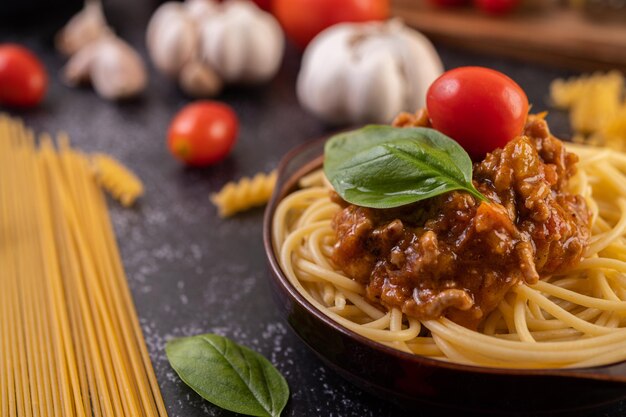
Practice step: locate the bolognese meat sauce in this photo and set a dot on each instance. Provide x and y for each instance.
(456, 257)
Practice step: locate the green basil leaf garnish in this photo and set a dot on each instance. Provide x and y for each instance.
(385, 166)
(229, 375)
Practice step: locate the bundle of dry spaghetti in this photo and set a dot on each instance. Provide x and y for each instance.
(70, 341)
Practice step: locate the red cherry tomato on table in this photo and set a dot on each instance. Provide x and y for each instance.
(303, 19)
(23, 79)
(480, 108)
(202, 133)
(496, 7)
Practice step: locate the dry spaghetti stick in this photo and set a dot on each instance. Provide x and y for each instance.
(8, 399)
(65, 355)
(89, 308)
(39, 308)
(92, 386)
(4, 362)
(78, 333)
(48, 213)
(91, 389)
(33, 275)
(121, 375)
(96, 389)
(130, 308)
(149, 398)
(27, 233)
(47, 319)
(80, 352)
(146, 395)
(88, 218)
(19, 372)
(99, 345)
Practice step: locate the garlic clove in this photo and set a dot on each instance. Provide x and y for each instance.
(78, 68)
(385, 97)
(112, 66)
(201, 9)
(263, 62)
(199, 80)
(172, 38)
(117, 71)
(222, 40)
(326, 98)
(322, 86)
(85, 27)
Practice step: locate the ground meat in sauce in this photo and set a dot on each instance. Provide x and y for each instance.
(450, 256)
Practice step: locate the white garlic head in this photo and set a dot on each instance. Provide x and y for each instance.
(236, 40)
(242, 42)
(172, 38)
(366, 72)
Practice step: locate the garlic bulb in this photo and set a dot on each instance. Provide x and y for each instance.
(366, 72)
(85, 27)
(242, 42)
(114, 68)
(172, 38)
(197, 40)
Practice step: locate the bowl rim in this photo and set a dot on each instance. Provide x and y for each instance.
(599, 373)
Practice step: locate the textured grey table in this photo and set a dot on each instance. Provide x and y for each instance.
(190, 271)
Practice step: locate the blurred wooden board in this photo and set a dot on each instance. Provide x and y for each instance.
(560, 37)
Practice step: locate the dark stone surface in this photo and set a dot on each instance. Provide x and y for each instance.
(190, 271)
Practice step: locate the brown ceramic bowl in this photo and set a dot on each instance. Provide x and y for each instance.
(419, 382)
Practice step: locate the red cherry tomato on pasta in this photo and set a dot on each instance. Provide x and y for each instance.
(203, 133)
(496, 7)
(480, 108)
(23, 79)
(303, 19)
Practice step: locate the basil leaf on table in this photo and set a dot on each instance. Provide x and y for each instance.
(229, 375)
(385, 166)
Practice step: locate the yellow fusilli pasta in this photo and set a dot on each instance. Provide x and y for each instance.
(614, 132)
(246, 193)
(116, 179)
(597, 107)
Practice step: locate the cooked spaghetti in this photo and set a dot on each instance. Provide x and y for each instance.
(574, 315)
(70, 340)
